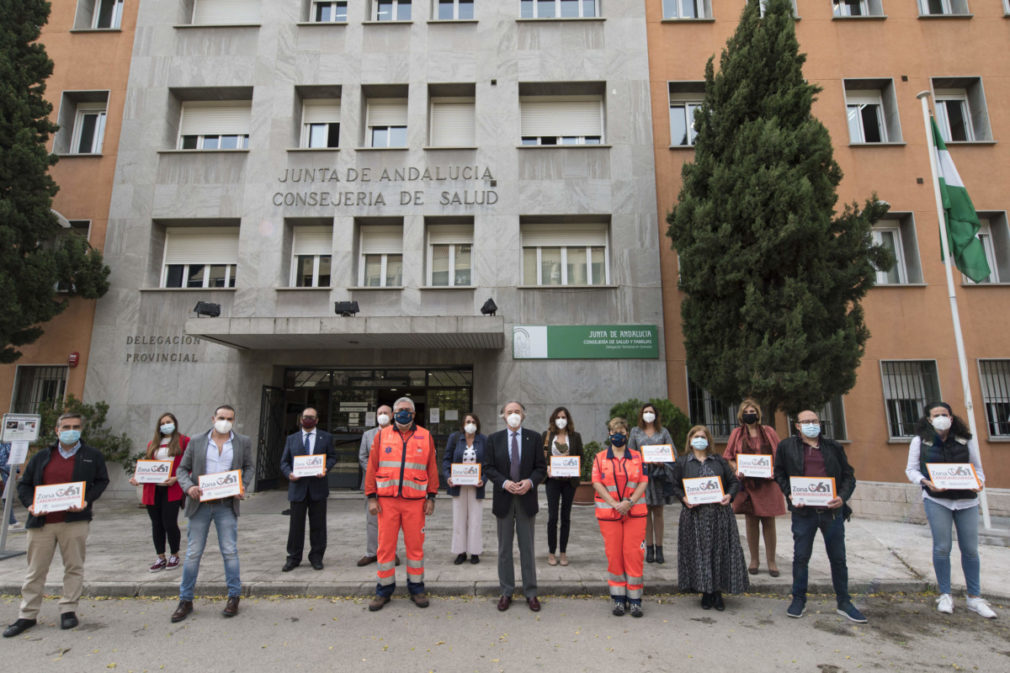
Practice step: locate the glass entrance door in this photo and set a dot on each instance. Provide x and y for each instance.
(347, 399)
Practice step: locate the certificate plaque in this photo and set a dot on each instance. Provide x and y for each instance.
(812, 491)
(313, 465)
(703, 490)
(657, 453)
(153, 471)
(220, 485)
(465, 474)
(565, 466)
(58, 497)
(755, 465)
(960, 476)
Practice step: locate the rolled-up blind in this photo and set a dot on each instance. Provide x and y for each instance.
(452, 122)
(561, 115)
(226, 12)
(387, 112)
(203, 118)
(381, 239)
(313, 241)
(201, 245)
(566, 234)
(321, 110)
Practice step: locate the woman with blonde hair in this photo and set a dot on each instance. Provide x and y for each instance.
(709, 557)
(760, 500)
(619, 482)
(164, 500)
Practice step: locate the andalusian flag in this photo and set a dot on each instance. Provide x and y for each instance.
(962, 220)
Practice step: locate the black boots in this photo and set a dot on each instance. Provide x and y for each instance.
(650, 554)
(659, 554)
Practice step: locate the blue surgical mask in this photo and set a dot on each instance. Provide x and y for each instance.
(167, 428)
(404, 416)
(618, 439)
(70, 437)
(699, 443)
(810, 430)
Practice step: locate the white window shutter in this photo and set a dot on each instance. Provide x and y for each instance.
(210, 118)
(561, 115)
(452, 122)
(381, 239)
(387, 112)
(226, 12)
(201, 245)
(445, 234)
(321, 110)
(313, 241)
(558, 235)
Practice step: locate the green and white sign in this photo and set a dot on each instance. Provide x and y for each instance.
(581, 342)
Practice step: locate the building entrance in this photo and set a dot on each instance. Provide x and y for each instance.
(347, 399)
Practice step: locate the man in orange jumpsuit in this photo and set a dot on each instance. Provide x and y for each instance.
(401, 483)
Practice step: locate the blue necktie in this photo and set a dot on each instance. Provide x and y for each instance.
(308, 447)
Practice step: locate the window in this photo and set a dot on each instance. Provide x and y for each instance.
(942, 7)
(311, 256)
(961, 109)
(329, 12)
(451, 119)
(390, 10)
(896, 232)
(98, 15)
(453, 10)
(82, 122)
(706, 410)
(561, 120)
(35, 386)
(320, 123)
(844, 9)
(215, 125)
(687, 9)
(81, 228)
(685, 100)
(381, 260)
(225, 12)
(565, 253)
(872, 111)
(200, 257)
(762, 4)
(450, 255)
(994, 377)
(557, 9)
(386, 122)
(995, 238)
(908, 386)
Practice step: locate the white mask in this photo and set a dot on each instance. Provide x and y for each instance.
(940, 423)
(562, 423)
(383, 419)
(513, 420)
(699, 443)
(223, 427)
(470, 428)
(648, 417)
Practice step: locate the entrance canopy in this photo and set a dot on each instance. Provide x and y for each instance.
(461, 332)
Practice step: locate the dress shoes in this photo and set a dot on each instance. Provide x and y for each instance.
(231, 607)
(533, 603)
(289, 565)
(365, 560)
(717, 602)
(706, 601)
(474, 559)
(460, 558)
(68, 620)
(182, 611)
(377, 603)
(317, 565)
(504, 602)
(420, 600)
(19, 627)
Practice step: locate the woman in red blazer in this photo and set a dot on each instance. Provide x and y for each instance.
(163, 501)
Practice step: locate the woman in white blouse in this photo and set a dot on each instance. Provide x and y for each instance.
(942, 437)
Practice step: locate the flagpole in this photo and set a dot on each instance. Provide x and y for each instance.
(962, 359)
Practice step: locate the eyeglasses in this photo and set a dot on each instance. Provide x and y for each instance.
(807, 420)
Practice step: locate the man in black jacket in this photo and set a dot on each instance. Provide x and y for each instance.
(69, 460)
(811, 454)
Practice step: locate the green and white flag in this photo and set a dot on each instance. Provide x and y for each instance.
(962, 220)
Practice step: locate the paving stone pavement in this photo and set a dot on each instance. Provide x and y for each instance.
(883, 556)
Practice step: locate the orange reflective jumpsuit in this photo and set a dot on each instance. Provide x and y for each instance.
(623, 536)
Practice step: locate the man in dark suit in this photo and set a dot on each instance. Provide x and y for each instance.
(307, 494)
(219, 450)
(515, 464)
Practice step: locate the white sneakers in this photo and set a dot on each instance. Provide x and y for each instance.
(981, 606)
(945, 604)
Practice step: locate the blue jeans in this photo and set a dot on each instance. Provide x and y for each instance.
(831, 523)
(941, 521)
(226, 524)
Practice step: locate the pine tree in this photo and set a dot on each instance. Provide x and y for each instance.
(35, 253)
(772, 277)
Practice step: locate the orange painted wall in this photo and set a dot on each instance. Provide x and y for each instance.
(83, 61)
(906, 322)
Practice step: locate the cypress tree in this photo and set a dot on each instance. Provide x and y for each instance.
(773, 276)
(36, 255)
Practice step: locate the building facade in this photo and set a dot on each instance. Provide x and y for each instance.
(279, 158)
(871, 59)
(90, 43)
